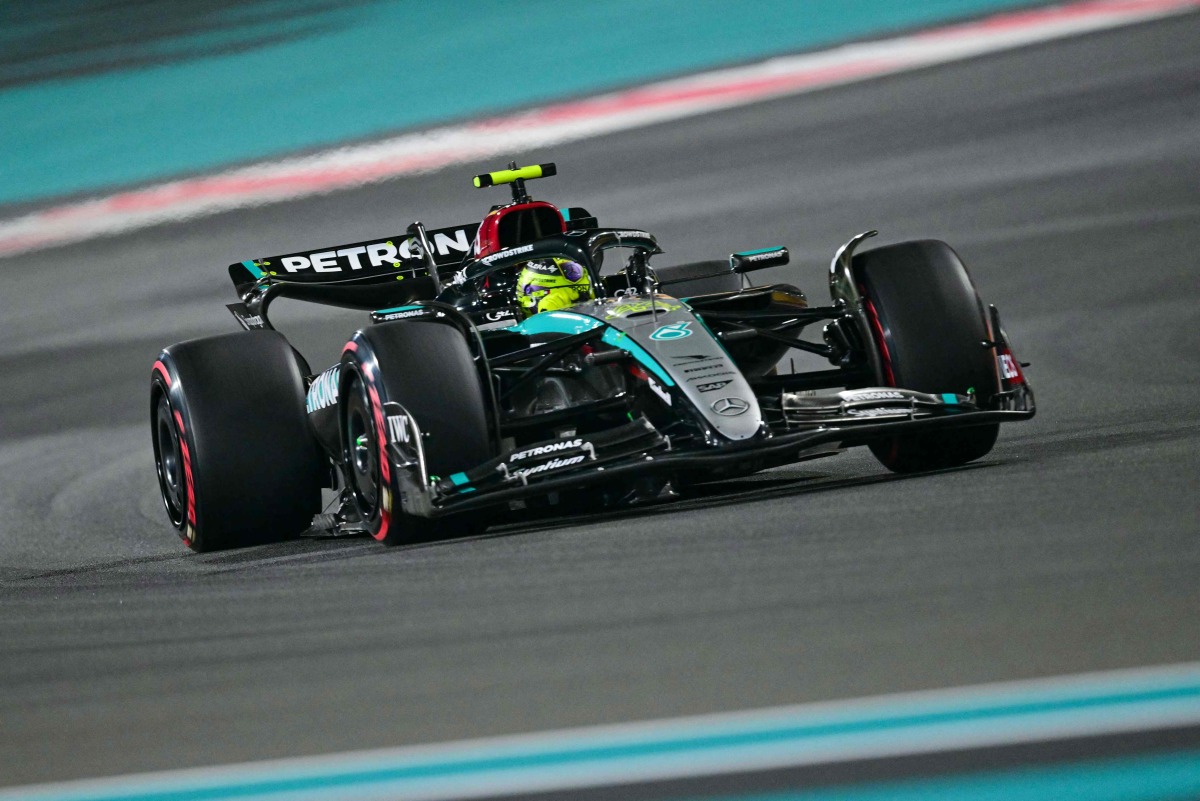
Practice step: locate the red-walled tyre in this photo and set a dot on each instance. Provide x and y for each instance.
(930, 328)
(428, 369)
(236, 462)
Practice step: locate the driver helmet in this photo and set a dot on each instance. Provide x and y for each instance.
(549, 284)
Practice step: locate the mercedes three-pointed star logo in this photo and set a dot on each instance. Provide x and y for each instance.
(730, 407)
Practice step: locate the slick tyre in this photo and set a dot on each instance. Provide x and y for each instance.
(929, 327)
(697, 278)
(235, 460)
(427, 368)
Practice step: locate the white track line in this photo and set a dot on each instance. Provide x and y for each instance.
(427, 151)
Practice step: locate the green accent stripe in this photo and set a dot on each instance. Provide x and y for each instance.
(459, 479)
(760, 250)
(949, 398)
(572, 323)
(397, 309)
(619, 339)
(557, 322)
(253, 268)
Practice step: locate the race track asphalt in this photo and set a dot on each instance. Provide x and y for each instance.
(1068, 177)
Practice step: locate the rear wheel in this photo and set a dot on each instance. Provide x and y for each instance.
(427, 368)
(236, 462)
(929, 326)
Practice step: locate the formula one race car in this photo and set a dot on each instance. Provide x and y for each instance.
(455, 401)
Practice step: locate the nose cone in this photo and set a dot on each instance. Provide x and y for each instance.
(689, 354)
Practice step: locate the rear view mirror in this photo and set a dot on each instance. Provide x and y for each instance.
(749, 260)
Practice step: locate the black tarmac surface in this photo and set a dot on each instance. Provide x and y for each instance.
(1066, 175)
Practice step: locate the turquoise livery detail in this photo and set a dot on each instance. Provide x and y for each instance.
(671, 332)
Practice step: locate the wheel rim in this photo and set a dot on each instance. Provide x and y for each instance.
(169, 463)
(361, 449)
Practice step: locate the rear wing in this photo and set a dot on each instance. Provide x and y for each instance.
(375, 260)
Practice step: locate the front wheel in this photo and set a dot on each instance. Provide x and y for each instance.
(428, 369)
(929, 327)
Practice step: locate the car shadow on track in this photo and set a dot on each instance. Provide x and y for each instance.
(729, 492)
(761, 487)
(325, 548)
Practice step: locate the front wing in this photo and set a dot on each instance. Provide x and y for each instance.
(805, 427)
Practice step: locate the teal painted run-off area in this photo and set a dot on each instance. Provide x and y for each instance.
(1158, 777)
(919, 725)
(96, 95)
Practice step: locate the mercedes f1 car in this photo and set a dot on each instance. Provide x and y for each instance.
(453, 403)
